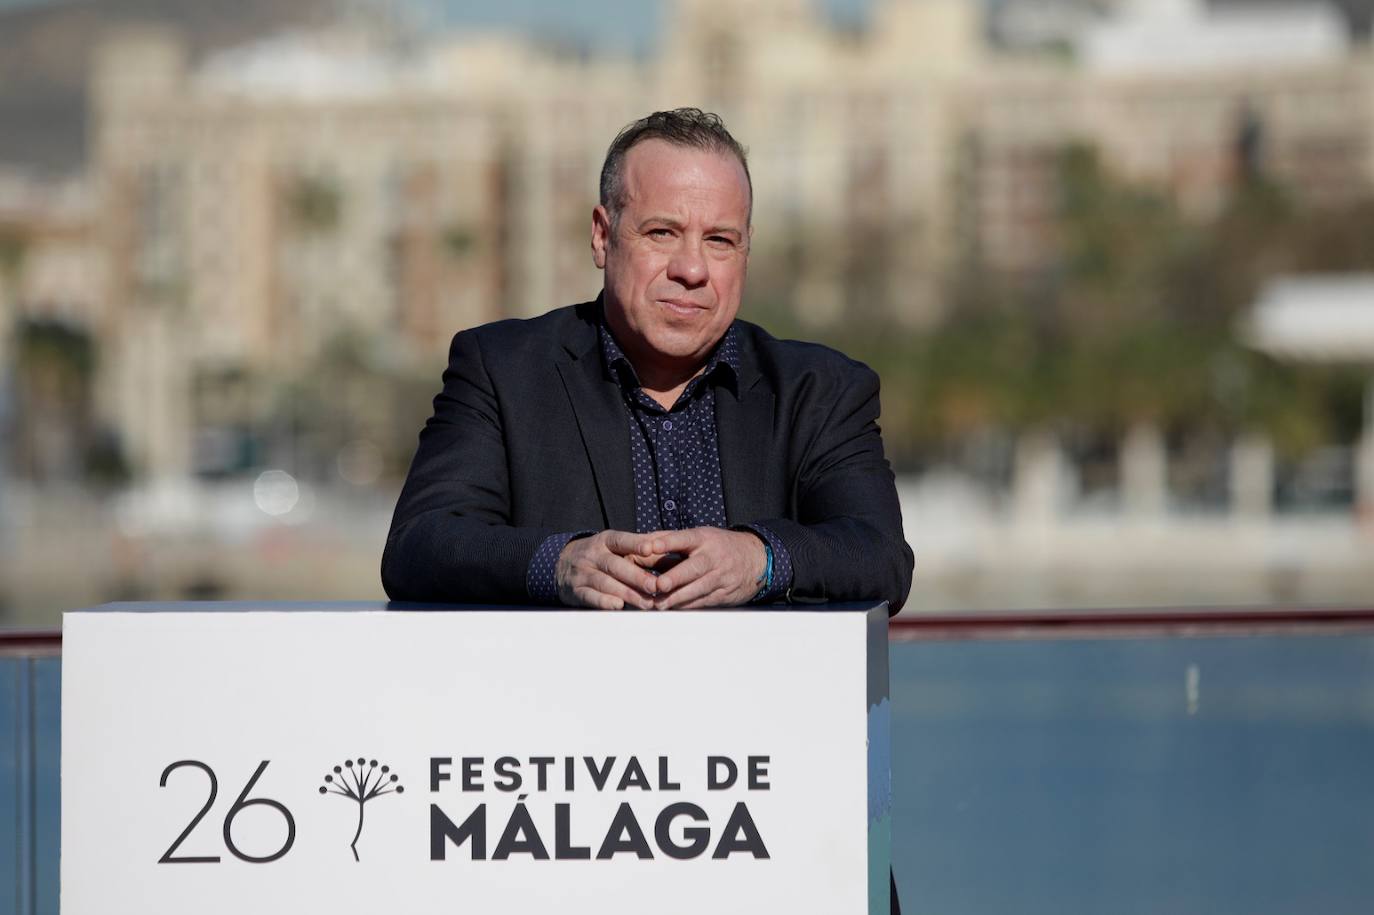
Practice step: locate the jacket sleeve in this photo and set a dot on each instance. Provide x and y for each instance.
(846, 540)
(451, 539)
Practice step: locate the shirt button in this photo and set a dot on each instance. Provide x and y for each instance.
(667, 425)
(670, 505)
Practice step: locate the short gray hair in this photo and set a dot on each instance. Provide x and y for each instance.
(689, 127)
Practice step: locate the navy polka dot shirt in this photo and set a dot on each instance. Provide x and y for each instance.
(676, 461)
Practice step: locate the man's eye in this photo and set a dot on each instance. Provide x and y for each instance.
(659, 233)
(720, 241)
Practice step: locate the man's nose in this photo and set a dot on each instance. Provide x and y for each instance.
(688, 264)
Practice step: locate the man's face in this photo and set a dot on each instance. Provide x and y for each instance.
(676, 258)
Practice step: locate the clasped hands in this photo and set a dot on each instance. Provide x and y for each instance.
(697, 567)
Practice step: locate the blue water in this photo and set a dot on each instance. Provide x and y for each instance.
(1071, 777)
(30, 813)
(1028, 777)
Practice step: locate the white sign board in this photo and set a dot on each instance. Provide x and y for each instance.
(509, 761)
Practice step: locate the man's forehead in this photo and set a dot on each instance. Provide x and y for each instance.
(664, 173)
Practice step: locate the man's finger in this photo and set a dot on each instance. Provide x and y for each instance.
(687, 588)
(674, 541)
(686, 595)
(625, 543)
(628, 596)
(627, 572)
(689, 570)
(590, 597)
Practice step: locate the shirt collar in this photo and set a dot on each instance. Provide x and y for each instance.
(724, 356)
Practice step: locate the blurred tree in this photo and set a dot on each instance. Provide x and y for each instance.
(458, 240)
(315, 204)
(12, 251)
(1133, 322)
(13, 247)
(357, 389)
(47, 370)
(55, 435)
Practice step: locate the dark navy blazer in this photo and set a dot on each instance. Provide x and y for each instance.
(528, 439)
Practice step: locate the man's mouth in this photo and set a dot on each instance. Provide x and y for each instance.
(680, 307)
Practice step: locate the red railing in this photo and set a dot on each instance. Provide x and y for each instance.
(1012, 625)
(31, 642)
(1168, 622)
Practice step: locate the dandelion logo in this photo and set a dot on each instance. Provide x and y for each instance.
(361, 780)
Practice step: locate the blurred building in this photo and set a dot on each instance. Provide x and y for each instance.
(854, 139)
(50, 264)
(270, 203)
(1176, 97)
(1044, 25)
(265, 200)
(353, 184)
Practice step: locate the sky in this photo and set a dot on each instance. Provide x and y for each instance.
(603, 24)
(600, 23)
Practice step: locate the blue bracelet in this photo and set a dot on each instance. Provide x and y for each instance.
(765, 581)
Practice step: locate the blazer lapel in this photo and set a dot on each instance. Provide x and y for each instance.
(596, 402)
(744, 429)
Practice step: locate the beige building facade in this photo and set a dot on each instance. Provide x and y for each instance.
(259, 205)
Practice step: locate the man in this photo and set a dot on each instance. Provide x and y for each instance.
(648, 450)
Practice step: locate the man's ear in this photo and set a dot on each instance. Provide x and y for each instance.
(601, 235)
